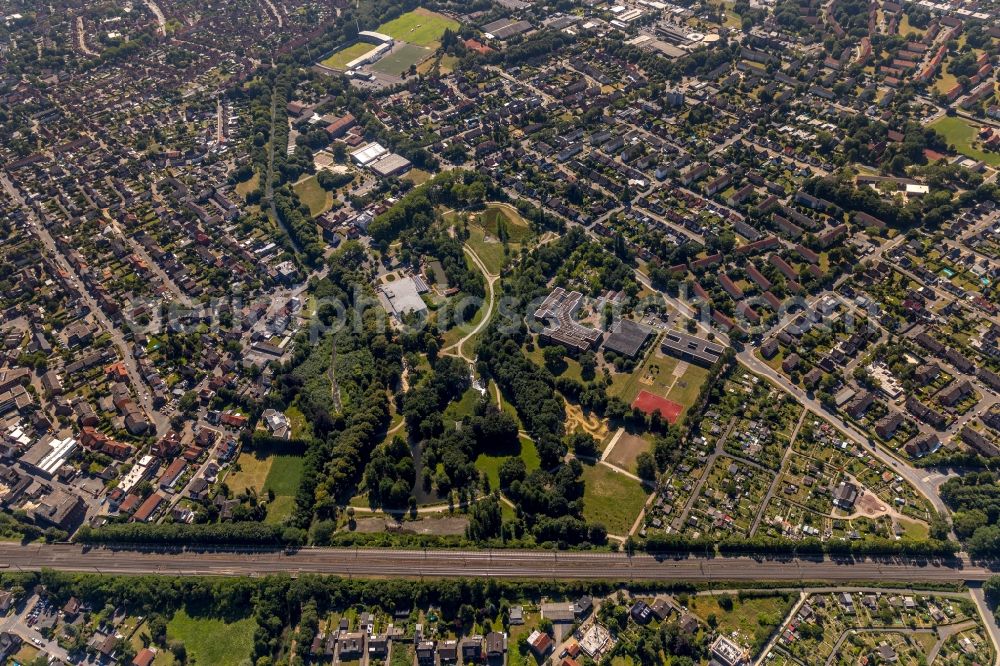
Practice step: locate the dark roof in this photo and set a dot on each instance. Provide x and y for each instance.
(627, 337)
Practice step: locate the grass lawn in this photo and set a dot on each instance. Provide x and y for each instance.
(248, 186)
(280, 473)
(497, 216)
(340, 59)
(456, 411)
(914, 530)
(571, 368)
(285, 475)
(612, 499)
(421, 27)
(945, 80)
(958, 132)
(490, 463)
(280, 509)
(459, 331)
(486, 229)
(623, 661)
(490, 250)
(298, 423)
(417, 176)
(211, 640)
(26, 654)
(446, 64)
(733, 19)
(688, 386)
(400, 60)
(253, 472)
(314, 196)
(905, 28)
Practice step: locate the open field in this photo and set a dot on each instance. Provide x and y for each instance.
(663, 376)
(627, 450)
(611, 498)
(457, 411)
(490, 462)
(749, 618)
(489, 228)
(446, 64)
(421, 27)
(252, 473)
(655, 375)
(314, 196)
(401, 59)
(285, 474)
(262, 473)
(345, 55)
(280, 509)
(248, 186)
(212, 640)
(688, 385)
(905, 28)
(961, 134)
(489, 249)
(945, 80)
(417, 176)
(506, 217)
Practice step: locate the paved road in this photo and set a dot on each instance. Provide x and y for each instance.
(478, 564)
(989, 620)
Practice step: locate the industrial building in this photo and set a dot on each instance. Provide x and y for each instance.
(48, 455)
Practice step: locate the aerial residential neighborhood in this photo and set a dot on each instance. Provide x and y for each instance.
(499, 331)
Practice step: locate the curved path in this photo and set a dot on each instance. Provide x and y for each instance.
(491, 280)
(161, 20)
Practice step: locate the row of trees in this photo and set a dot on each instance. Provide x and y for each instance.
(735, 546)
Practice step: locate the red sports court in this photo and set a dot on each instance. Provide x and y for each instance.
(650, 402)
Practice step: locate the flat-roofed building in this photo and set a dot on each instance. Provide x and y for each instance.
(505, 29)
(692, 349)
(48, 455)
(390, 164)
(557, 312)
(627, 338)
(367, 154)
(403, 297)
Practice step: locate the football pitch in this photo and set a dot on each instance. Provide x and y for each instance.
(401, 58)
(421, 27)
(345, 55)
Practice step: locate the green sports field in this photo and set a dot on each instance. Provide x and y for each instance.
(421, 27)
(345, 55)
(401, 58)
